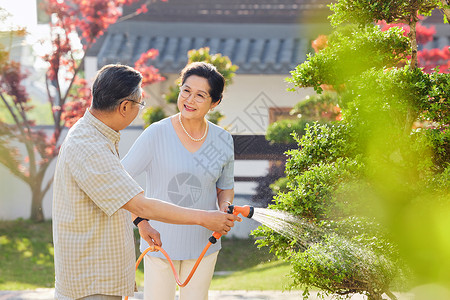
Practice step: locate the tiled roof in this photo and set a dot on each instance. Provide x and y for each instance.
(255, 48)
(260, 36)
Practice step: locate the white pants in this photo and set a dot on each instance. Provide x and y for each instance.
(160, 284)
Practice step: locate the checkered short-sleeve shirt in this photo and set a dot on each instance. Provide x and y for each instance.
(92, 235)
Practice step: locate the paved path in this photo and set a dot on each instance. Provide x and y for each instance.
(47, 294)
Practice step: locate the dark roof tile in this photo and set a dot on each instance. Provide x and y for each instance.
(273, 49)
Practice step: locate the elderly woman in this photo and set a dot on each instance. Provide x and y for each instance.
(187, 161)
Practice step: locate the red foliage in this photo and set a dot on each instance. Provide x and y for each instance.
(428, 59)
(88, 19)
(11, 82)
(330, 112)
(385, 26)
(78, 103)
(424, 34)
(149, 73)
(142, 10)
(320, 43)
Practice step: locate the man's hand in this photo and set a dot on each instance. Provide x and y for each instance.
(219, 222)
(150, 235)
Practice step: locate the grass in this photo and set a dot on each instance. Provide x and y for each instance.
(264, 276)
(252, 268)
(26, 252)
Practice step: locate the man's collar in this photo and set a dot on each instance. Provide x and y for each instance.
(107, 131)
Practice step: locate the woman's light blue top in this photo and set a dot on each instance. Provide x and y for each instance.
(175, 175)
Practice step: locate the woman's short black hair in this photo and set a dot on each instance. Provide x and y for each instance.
(209, 72)
(112, 84)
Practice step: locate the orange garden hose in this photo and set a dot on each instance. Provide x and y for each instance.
(175, 274)
(246, 211)
(177, 279)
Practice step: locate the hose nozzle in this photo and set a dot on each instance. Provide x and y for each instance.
(246, 210)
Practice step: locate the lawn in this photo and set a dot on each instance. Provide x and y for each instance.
(26, 252)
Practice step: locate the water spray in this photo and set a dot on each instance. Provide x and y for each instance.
(246, 211)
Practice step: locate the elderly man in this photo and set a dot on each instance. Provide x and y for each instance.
(93, 197)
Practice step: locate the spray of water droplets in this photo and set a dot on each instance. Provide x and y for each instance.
(279, 221)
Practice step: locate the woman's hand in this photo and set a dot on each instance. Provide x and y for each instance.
(224, 206)
(224, 198)
(150, 235)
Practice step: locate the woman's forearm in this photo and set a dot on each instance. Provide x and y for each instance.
(225, 198)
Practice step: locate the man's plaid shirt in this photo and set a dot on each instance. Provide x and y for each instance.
(92, 235)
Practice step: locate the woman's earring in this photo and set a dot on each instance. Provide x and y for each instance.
(212, 109)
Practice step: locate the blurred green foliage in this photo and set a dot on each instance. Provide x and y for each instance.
(371, 191)
(366, 12)
(351, 50)
(215, 117)
(153, 114)
(322, 108)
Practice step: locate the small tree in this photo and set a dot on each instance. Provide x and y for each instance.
(358, 183)
(68, 93)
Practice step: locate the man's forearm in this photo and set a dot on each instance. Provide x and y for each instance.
(155, 209)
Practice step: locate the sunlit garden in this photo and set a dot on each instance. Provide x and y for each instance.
(364, 192)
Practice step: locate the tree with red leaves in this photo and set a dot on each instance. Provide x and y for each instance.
(68, 93)
(429, 60)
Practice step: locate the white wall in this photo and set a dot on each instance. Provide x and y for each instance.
(247, 101)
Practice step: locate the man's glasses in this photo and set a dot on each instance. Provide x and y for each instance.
(185, 93)
(141, 104)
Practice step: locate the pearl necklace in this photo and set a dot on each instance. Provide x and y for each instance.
(185, 131)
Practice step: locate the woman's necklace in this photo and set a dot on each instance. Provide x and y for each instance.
(185, 131)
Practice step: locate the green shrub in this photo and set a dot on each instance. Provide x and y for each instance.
(321, 107)
(281, 131)
(321, 143)
(340, 266)
(215, 117)
(351, 50)
(153, 114)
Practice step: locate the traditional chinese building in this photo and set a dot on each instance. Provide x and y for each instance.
(265, 38)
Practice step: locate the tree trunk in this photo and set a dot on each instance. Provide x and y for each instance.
(412, 37)
(37, 214)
